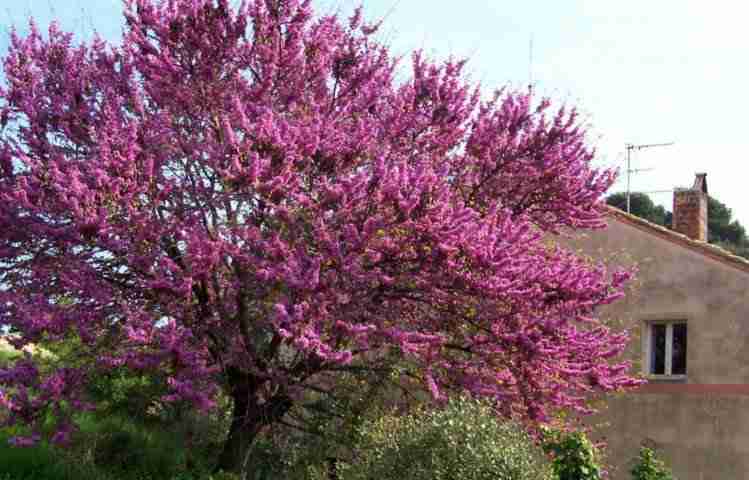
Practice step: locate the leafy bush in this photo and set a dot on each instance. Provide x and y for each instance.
(328, 425)
(44, 462)
(40, 462)
(574, 455)
(112, 449)
(649, 467)
(464, 440)
(128, 393)
(7, 356)
(266, 462)
(128, 436)
(127, 449)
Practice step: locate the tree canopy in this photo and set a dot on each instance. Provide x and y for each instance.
(252, 200)
(722, 229)
(641, 205)
(720, 225)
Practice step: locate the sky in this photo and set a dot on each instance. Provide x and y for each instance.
(640, 71)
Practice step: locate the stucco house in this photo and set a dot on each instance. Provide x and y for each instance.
(688, 313)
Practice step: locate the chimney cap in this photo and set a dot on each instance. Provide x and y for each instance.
(700, 182)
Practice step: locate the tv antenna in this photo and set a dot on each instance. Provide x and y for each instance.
(630, 170)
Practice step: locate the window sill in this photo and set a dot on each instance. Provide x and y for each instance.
(666, 378)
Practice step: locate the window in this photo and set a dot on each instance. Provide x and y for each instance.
(667, 348)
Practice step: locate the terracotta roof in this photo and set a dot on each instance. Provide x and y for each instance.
(713, 251)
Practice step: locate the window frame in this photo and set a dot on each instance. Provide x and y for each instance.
(669, 358)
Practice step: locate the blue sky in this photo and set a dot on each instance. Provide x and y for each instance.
(640, 71)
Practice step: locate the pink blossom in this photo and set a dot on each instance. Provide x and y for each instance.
(253, 199)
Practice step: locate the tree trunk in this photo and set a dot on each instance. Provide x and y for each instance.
(242, 430)
(332, 468)
(248, 419)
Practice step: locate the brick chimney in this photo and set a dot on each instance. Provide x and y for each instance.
(690, 209)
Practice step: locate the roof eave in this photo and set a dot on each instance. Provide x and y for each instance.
(712, 251)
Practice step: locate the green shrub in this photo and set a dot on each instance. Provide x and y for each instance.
(123, 392)
(127, 449)
(40, 462)
(464, 440)
(128, 437)
(44, 462)
(649, 467)
(113, 449)
(328, 427)
(222, 476)
(574, 455)
(7, 356)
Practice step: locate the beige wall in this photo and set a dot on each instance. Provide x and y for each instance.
(700, 435)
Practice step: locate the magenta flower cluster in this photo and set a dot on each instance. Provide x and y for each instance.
(256, 198)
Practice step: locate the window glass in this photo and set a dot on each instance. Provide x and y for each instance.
(679, 350)
(658, 353)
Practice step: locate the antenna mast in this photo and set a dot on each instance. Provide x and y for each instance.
(630, 171)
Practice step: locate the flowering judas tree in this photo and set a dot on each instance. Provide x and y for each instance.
(254, 200)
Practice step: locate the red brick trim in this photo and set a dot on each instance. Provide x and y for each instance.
(695, 388)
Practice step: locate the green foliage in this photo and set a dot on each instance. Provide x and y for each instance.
(720, 226)
(44, 462)
(722, 230)
(575, 456)
(128, 451)
(126, 448)
(328, 424)
(128, 437)
(642, 206)
(118, 449)
(649, 467)
(267, 461)
(464, 440)
(222, 476)
(7, 356)
(122, 392)
(741, 250)
(41, 462)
